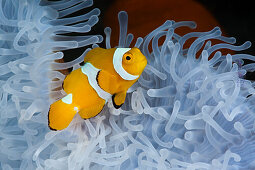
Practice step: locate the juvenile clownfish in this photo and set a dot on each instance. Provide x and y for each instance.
(107, 74)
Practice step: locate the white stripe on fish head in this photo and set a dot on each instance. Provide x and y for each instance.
(117, 64)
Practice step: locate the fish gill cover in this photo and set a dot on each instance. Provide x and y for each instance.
(183, 113)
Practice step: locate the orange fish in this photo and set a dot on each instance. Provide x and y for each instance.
(107, 74)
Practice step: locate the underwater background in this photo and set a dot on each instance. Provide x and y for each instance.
(185, 111)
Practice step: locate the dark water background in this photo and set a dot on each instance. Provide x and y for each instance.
(236, 17)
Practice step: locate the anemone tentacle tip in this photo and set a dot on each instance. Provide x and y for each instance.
(188, 110)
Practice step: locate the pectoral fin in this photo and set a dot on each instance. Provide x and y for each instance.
(118, 99)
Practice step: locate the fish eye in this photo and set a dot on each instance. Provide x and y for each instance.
(128, 57)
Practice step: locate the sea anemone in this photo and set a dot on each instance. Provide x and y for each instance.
(183, 113)
(33, 34)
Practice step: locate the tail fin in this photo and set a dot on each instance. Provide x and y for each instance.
(61, 114)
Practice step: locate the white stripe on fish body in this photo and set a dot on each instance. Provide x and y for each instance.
(117, 64)
(91, 72)
(68, 99)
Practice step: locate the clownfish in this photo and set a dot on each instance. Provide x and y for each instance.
(107, 74)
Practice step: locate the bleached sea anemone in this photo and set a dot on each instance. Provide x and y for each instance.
(183, 113)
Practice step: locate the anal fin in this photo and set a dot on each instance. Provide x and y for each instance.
(92, 111)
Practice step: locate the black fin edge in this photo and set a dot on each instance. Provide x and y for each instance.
(63, 85)
(49, 122)
(82, 63)
(97, 78)
(114, 104)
